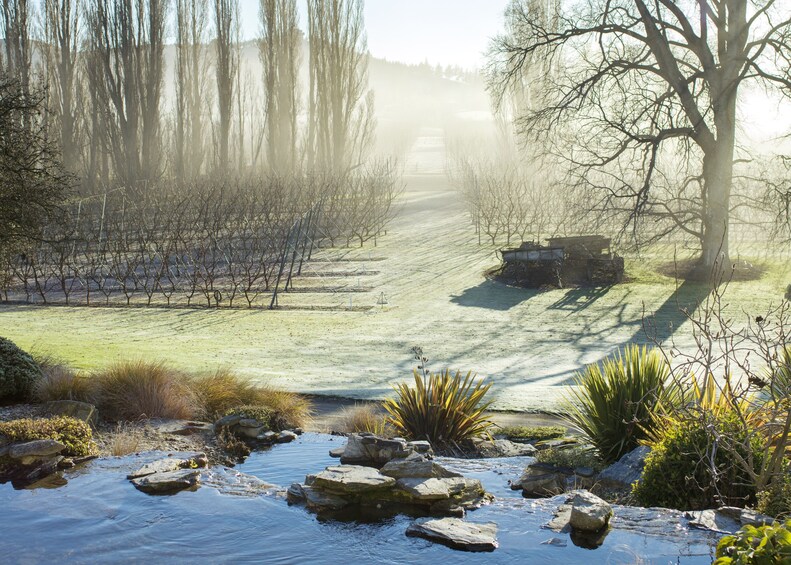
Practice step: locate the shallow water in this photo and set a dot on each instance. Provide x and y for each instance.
(99, 517)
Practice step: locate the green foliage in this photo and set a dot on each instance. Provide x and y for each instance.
(613, 403)
(678, 472)
(18, 372)
(532, 433)
(264, 414)
(776, 500)
(571, 457)
(75, 434)
(442, 408)
(762, 545)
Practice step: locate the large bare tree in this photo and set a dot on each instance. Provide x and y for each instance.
(226, 21)
(279, 51)
(644, 106)
(340, 122)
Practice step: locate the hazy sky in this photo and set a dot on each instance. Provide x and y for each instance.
(452, 32)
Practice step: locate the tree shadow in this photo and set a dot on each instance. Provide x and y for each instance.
(493, 296)
(577, 299)
(665, 320)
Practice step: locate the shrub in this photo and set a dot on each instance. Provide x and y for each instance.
(441, 408)
(533, 433)
(18, 372)
(366, 418)
(613, 403)
(694, 464)
(570, 457)
(135, 389)
(756, 545)
(278, 410)
(75, 434)
(222, 390)
(776, 500)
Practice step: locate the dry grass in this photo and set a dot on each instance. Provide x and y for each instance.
(223, 390)
(366, 418)
(61, 383)
(289, 410)
(131, 390)
(124, 441)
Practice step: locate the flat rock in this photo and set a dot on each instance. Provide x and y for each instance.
(183, 461)
(32, 450)
(429, 489)
(504, 448)
(165, 482)
(181, 427)
(227, 422)
(416, 465)
(337, 452)
(368, 449)
(627, 469)
(268, 437)
(420, 446)
(314, 498)
(589, 513)
(73, 409)
(456, 533)
(352, 479)
(286, 436)
(541, 480)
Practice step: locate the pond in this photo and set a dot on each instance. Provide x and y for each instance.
(99, 517)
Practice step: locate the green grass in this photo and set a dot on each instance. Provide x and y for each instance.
(530, 343)
(532, 433)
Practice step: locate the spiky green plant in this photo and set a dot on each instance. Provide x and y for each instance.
(614, 403)
(442, 408)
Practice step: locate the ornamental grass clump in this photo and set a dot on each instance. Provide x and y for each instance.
(442, 408)
(366, 418)
(614, 403)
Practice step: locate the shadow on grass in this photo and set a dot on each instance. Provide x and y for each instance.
(665, 321)
(493, 296)
(577, 299)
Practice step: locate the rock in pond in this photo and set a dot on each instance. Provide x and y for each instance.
(502, 448)
(456, 533)
(416, 465)
(352, 479)
(286, 436)
(31, 451)
(543, 480)
(589, 513)
(627, 469)
(168, 482)
(369, 449)
(183, 461)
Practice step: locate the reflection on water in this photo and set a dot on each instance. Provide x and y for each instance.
(99, 517)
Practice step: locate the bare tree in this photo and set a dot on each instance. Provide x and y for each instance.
(226, 21)
(16, 33)
(643, 85)
(340, 122)
(191, 84)
(62, 27)
(279, 48)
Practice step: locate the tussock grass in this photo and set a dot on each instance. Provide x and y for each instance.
(124, 441)
(130, 390)
(59, 382)
(222, 390)
(366, 418)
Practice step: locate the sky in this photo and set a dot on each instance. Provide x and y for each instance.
(446, 32)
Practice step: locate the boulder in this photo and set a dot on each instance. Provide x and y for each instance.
(503, 448)
(228, 421)
(168, 482)
(456, 533)
(337, 452)
(267, 437)
(416, 465)
(31, 451)
(352, 479)
(420, 446)
(74, 409)
(314, 498)
(368, 449)
(589, 513)
(541, 480)
(626, 470)
(286, 436)
(184, 461)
